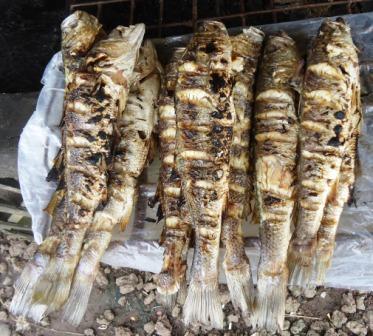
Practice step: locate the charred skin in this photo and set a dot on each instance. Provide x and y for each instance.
(276, 136)
(135, 130)
(176, 232)
(246, 49)
(329, 109)
(205, 116)
(79, 31)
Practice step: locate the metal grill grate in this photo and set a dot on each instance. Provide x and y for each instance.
(173, 17)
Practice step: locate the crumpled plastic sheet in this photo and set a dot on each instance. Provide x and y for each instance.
(352, 265)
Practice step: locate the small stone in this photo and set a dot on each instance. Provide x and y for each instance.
(45, 322)
(284, 333)
(17, 248)
(149, 286)
(225, 297)
(319, 325)
(330, 332)
(149, 327)
(109, 315)
(89, 332)
(349, 304)
(297, 327)
(360, 302)
(22, 324)
(7, 281)
(233, 318)
(4, 316)
(323, 295)
(122, 301)
(30, 251)
(149, 299)
(312, 333)
(357, 328)
(286, 325)
(341, 333)
(292, 305)
(338, 319)
(175, 311)
(127, 280)
(140, 284)
(3, 267)
(101, 279)
(309, 293)
(102, 321)
(107, 270)
(125, 289)
(8, 291)
(161, 329)
(295, 291)
(4, 329)
(121, 331)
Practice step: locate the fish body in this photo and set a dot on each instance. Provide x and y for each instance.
(246, 49)
(135, 128)
(205, 117)
(329, 122)
(276, 137)
(176, 232)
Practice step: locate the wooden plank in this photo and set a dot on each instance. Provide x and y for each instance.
(12, 210)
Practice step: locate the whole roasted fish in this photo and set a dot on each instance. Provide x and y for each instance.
(276, 136)
(95, 98)
(246, 49)
(79, 31)
(176, 232)
(135, 128)
(329, 129)
(205, 116)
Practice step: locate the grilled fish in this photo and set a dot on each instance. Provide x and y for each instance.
(79, 31)
(176, 232)
(276, 136)
(246, 49)
(205, 116)
(329, 119)
(135, 128)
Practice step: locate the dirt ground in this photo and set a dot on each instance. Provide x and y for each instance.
(124, 302)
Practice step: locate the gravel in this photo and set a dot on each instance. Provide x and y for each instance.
(149, 327)
(349, 304)
(297, 327)
(357, 328)
(338, 319)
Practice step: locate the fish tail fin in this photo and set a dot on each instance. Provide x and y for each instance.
(25, 284)
(241, 287)
(53, 287)
(322, 263)
(202, 304)
(84, 277)
(300, 259)
(270, 303)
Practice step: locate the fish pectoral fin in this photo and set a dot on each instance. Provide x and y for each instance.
(57, 197)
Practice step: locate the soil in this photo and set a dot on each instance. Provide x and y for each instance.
(311, 313)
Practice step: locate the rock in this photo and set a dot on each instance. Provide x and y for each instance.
(130, 279)
(176, 311)
(291, 305)
(149, 327)
(17, 247)
(331, 332)
(310, 293)
(22, 324)
(360, 302)
(89, 332)
(286, 325)
(338, 319)
(161, 329)
(297, 327)
(319, 325)
(233, 318)
(8, 291)
(102, 321)
(122, 301)
(17, 264)
(3, 267)
(140, 284)
(295, 291)
(3, 316)
(149, 286)
(341, 333)
(107, 270)
(45, 321)
(312, 333)
(284, 333)
(7, 281)
(323, 295)
(149, 299)
(121, 331)
(101, 279)
(4, 329)
(109, 315)
(357, 328)
(30, 251)
(125, 289)
(225, 297)
(349, 304)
